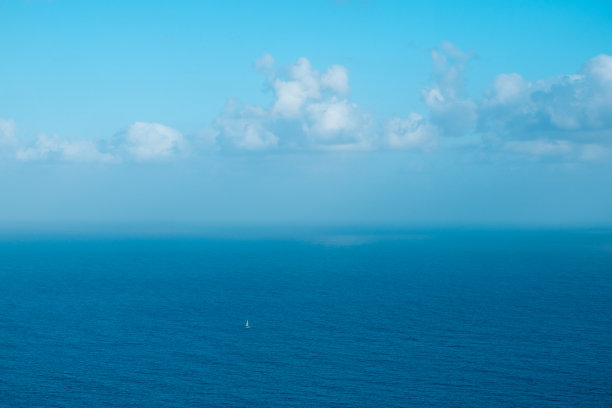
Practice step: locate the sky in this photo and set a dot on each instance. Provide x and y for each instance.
(318, 112)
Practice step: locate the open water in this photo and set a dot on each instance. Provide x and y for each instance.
(342, 318)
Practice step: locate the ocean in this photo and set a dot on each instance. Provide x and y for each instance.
(338, 318)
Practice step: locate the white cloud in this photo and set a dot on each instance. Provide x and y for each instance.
(245, 128)
(600, 69)
(336, 79)
(290, 97)
(566, 116)
(310, 110)
(7, 133)
(508, 89)
(142, 141)
(449, 107)
(153, 141)
(332, 116)
(292, 94)
(304, 84)
(411, 132)
(53, 147)
(338, 122)
(574, 107)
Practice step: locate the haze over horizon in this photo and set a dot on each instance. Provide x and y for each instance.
(325, 112)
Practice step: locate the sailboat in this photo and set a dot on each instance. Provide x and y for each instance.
(247, 325)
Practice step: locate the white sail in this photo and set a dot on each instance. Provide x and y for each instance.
(247, 324)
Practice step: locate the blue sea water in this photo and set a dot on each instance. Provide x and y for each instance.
(372, 318)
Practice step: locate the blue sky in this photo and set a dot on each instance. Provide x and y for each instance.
(306, 112)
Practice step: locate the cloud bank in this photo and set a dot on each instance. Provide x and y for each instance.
(140, 142)
(153, 141)
(559, 115)
(568, 117)
(52, 147)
